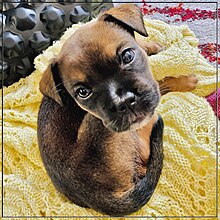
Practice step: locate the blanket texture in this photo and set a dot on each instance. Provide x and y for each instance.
(187, 186)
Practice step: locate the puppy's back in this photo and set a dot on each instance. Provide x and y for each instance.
(90, 174)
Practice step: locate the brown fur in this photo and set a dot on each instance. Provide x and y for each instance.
(112, 172)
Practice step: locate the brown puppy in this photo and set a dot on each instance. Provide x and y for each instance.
(100, 140)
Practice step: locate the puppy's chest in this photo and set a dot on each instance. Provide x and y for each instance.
(110, 159)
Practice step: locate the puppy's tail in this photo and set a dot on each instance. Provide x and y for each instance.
(144, 189)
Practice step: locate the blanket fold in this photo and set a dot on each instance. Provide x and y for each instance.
(187, 186)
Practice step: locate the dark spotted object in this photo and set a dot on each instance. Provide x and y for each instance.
(28, 27)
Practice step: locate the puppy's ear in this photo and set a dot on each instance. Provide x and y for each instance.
(128, 16)
(48, 85)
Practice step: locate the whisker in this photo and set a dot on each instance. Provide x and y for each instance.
(110, 123)
(54, 89)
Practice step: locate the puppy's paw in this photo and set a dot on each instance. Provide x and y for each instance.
(154, 48)
(158, 47)
(151, 47)
(188, 82)
(180, 84)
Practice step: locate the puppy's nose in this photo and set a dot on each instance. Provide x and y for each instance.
(127, 101)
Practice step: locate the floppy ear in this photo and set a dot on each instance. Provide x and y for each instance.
(49, 85)
(128, 16)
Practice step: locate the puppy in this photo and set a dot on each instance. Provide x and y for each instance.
(99, 136)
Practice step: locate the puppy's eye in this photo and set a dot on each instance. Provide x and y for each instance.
(83, 92)
(127, 56)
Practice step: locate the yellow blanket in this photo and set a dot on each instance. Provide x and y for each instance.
(187, 186)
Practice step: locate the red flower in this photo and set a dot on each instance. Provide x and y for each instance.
(185, 14)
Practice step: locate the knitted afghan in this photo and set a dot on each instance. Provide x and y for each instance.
(187, 186)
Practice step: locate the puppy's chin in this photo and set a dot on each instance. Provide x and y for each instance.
(139, 124)
(129, 125)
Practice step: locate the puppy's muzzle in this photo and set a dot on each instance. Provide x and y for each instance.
(123, 103)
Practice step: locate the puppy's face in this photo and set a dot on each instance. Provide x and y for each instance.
(108, 75)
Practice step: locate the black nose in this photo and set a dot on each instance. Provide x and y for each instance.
(127, 101)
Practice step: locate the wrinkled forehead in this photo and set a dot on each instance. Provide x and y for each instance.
(93, 49)
(96, 38)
